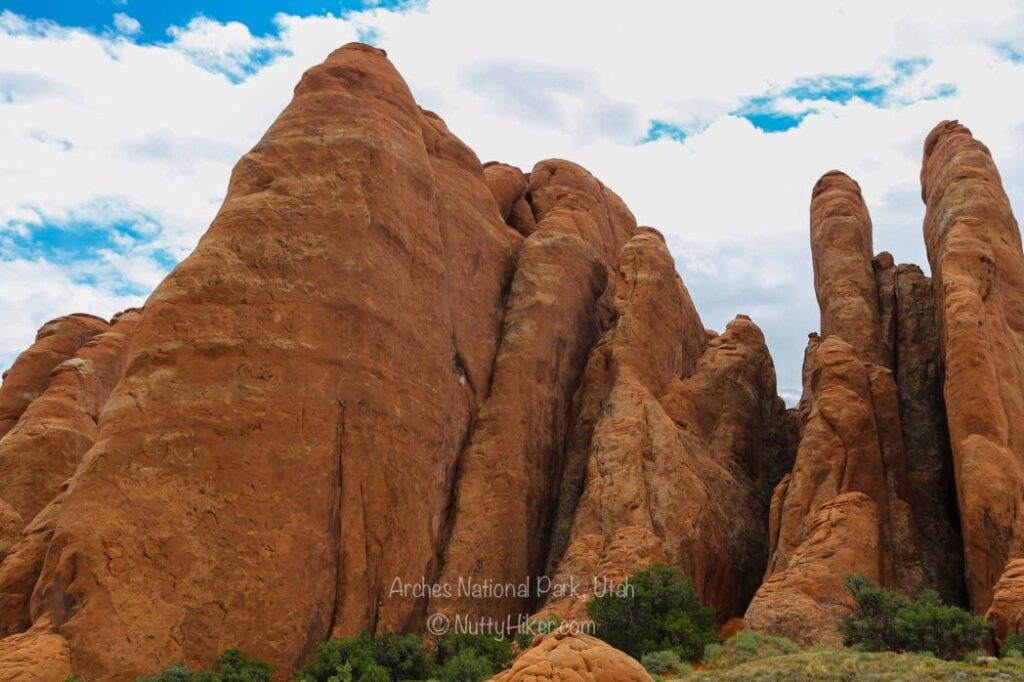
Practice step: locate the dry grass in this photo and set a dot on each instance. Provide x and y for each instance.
(841, 665)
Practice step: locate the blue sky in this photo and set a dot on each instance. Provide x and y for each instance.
(120, 122)
(156, 17)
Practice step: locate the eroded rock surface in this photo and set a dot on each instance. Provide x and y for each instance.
(561, 657)
(673, 435)
(285, 438)
(870, 422)
(1006, 612)
(805, 599)
(26, 380)
(974, 248)
(43, 449)
(387, 364)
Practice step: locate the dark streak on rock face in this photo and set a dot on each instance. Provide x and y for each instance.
(386, 361)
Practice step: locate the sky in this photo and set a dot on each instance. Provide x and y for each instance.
(120, 121)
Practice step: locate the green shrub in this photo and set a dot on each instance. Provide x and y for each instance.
(660, 610)
(1013, 646)
(348, 658)
(746, 646)
(926, 624)
(497, 652)
(467, 666)
(366, 659)
(881, 620)
(713, 652)
(233, 666)
(177, 672)
(662, 663)
(871, 625)
(403, 656)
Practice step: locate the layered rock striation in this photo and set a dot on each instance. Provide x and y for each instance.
(388, 368)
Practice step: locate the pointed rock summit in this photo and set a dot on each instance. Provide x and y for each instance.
(392, 382)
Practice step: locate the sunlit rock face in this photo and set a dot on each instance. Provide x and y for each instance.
(388, 364)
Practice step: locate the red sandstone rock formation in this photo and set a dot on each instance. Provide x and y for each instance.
(804, 598)
(508, 185)
(670, 438)
(974, 248)
(56, 429)
(1006, 612)
(554, 313)
(286, 435)
(576, 657)
(386, 363)
(912, 351)
(42, 451)
(841, 252)
(56, 341)
(841, 457)
(877, 368)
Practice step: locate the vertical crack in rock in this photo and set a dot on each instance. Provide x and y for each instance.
(866, 373)
(387, 364)
(667, 468)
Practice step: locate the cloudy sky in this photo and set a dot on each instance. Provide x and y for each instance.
(120, 121)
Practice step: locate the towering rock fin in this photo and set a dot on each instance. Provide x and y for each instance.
(875, 365)
(974, 248)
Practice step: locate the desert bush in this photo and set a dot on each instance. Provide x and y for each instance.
(365, 659)
(233, 666)
(396, 658)
(664, 663)
(927, 624)
(746, 646)
(659, 611)
(497, 652)
(1013, 646)
(871, 624)
(403, 656)
(467, 666)
(881, 620)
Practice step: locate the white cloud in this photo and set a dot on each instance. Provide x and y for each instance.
(225, 48)
(127, 25)
(99, 128)
(34, 291)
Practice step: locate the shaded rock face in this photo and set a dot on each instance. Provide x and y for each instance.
(974, 248)
(387, 366)
(577, 657)
(871, 422)
(913, 352)
(668, 457)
